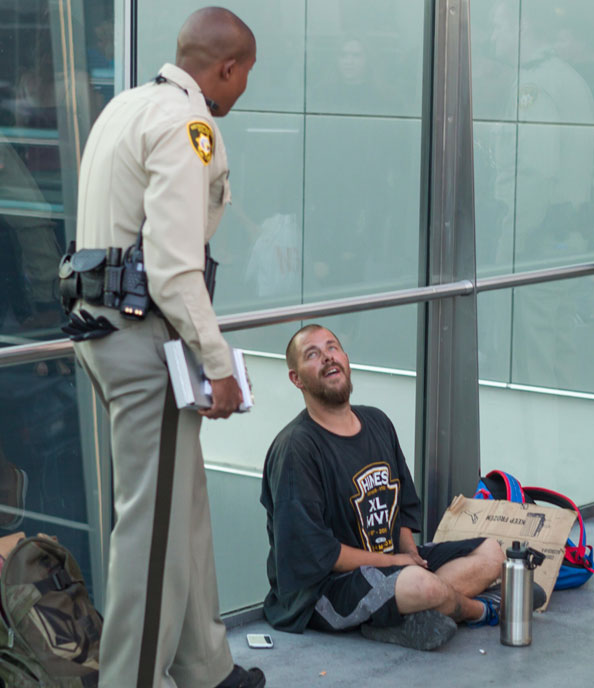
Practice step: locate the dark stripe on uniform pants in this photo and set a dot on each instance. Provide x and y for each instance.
(162, 516)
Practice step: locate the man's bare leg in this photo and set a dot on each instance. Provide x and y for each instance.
(433, 603)
(475, 572)
(430, 608)
(417, 589)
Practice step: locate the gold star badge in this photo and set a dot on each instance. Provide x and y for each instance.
(202, 139)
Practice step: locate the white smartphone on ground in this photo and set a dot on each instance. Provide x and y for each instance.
(259, 641)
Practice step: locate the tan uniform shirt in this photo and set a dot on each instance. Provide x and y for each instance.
(150, 155)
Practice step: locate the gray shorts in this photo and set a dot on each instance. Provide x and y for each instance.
(366, 595)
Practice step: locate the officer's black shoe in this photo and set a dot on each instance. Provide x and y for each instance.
(240, 678)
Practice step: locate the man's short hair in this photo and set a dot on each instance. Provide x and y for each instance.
(291, 352)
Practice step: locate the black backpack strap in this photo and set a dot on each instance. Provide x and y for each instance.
(91, 628)
(59, 580)
(502, 485)
(541, 494)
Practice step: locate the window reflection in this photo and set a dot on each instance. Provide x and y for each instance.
(534, 170)
(364, 62)
(56, 74)
(42, 485)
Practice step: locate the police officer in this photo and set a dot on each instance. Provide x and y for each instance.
(155, 155)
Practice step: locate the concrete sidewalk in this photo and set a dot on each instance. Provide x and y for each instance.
(561, 654)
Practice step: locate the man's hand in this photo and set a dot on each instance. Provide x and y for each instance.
(407, 546)
(226, 397)
(351, 558)
(410, 558)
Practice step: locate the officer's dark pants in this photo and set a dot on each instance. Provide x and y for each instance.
(162, 627)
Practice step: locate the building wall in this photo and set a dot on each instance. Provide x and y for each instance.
(325, 154)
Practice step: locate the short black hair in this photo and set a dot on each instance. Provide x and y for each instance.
(291, 353)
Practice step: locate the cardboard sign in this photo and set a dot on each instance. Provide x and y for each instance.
(543, 528)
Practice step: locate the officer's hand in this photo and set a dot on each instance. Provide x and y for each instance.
(226, 397)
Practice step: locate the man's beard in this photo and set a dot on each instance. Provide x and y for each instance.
(331, 396)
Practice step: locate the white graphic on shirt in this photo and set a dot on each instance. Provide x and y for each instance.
(376, 506)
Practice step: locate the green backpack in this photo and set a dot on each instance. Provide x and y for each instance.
(49, 630)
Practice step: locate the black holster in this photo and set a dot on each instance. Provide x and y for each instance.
(82, 275)
(210, 271)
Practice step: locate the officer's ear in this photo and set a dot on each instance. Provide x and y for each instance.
(227, 68)
(295, 379)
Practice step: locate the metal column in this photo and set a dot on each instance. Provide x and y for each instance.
(447, 446)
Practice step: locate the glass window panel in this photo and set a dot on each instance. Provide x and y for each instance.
(30, 249)
(553, 335)
(542, 439)
(365, 62)
(541, 434)
(239, 534)
(259, 242)
(534, 166)
(556, 62)
(554, 209)
(57, 74)
(260, 239)
(494, 319)
(495, 193)
(540, 335)
(361, 205)
(276, 82)
(57, 71)
(50, 480)
(534, 176)
(158, 26)
(495, 41)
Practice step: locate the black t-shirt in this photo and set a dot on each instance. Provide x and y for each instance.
(321, 490)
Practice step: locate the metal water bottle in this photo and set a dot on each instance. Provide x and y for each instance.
(516, 594)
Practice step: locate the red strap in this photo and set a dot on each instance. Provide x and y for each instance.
(573, 557)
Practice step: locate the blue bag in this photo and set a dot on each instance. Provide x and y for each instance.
(578, 564)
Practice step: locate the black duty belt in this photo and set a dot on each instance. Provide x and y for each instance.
(113, 278)
(105, 277)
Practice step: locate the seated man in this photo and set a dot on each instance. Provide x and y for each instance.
(341, 510)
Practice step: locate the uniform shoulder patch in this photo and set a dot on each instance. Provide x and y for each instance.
(202, 140)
